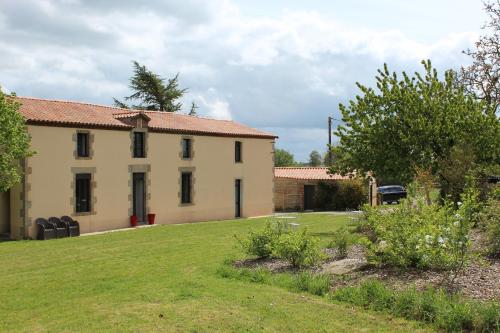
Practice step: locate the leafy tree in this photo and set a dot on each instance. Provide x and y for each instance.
(14, 142)
(315, 158)
(413, 122)
(283, 158)
(482, 76)
(331, 152)
(152, 92)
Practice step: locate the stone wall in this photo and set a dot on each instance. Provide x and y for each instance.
(289, 193)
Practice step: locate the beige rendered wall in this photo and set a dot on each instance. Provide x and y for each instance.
(52, 173)
(4, 212)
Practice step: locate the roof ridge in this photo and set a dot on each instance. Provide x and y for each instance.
(118, 108)
(302, 167)
(76, 102)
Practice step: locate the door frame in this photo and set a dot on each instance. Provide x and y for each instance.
(312, 199)
(142, 218)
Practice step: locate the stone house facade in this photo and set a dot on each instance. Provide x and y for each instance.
(100, 165)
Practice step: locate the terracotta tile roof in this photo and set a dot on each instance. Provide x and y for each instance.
(77, 114)
(129, 115)
(311, 173)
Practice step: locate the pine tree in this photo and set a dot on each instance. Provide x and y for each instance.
(151, 91)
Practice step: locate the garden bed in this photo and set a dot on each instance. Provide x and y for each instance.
(479, 280)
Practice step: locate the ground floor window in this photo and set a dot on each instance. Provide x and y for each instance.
(82, 192)
(186, 187)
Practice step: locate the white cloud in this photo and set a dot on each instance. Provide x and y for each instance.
(287, 71)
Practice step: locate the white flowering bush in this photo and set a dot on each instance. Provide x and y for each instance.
(418, 235)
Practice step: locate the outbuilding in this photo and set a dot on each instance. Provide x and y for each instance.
(295, 188)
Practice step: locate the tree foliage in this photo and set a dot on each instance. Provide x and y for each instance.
(482, 76)
(315, 158)
(283, 158)
(14, 142)
(413, 121)
(152, 92)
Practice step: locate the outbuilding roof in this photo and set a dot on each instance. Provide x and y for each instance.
(76, 114)
(308, 173)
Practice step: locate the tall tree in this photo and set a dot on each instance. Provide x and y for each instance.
(14, 142)
(315, 158)
(152, 92)
(482, 77)
(283, 158)
(409, 122)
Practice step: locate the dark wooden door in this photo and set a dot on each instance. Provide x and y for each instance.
(309, 197)
(139, 196)
(237, 198)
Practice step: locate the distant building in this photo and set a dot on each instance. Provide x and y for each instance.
(295, 187)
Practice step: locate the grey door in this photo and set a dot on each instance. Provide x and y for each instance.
(139, 196)
(237, 198)
(308, 197)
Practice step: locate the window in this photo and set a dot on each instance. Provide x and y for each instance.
(139, 145)
(186, 187)
(186, 148)
(82, 144)
(237, 151)
(82, 192)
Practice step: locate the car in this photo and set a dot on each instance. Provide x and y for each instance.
(391, 193)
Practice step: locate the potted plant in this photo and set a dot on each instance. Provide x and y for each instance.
(151, 218)
(133, 221)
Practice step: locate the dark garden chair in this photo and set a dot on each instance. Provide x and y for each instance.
(72, 226)
(60, 226)
(45, 229)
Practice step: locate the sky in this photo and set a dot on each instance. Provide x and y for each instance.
(278, 65)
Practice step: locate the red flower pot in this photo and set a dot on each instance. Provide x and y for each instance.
(133, 220)
(151, 218)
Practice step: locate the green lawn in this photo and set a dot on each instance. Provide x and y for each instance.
(162, 279)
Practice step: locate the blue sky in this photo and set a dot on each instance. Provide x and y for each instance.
(282, 66)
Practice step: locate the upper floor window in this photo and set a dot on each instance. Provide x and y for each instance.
(237, 151)
(186, 182)
(82, 192)
(186, 148)
(139, 144)
(82, 144)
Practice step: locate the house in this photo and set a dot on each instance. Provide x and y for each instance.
(295, 187)
(101, 165)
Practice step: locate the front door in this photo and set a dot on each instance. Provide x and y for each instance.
(139, 196)
(237, 198)
(308, 197)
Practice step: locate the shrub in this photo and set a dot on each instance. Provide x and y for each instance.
(340, 241)
(491, 220)
(299, 248)
(262, 243)
(449, 313)
(420, 235)
(341, 195)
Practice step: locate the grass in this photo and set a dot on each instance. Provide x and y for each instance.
(445, 312)
(164, 279)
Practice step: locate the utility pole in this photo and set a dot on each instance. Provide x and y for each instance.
(329, 140)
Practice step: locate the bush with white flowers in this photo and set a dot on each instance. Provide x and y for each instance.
(423, 236)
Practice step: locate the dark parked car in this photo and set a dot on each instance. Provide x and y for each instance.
(391, 193)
